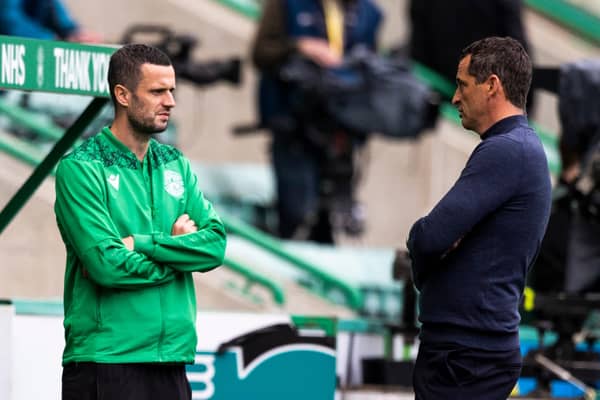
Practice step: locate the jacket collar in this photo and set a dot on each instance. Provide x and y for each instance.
(505, 125)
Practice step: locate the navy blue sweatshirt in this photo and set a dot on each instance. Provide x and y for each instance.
(497, 211)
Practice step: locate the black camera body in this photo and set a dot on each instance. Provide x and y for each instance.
(587, 186)
(337, 109)
(179, 49)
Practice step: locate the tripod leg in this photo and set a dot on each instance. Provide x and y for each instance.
(589, 393)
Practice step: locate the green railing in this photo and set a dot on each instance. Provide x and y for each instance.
(570, 16)
(253, 278)
(249, 8)
(47, 307)
(21, 150)
(49, 162)
(32, 121)
(322, 283)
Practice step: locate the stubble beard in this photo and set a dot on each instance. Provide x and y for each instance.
(140, 125)
(145, 128)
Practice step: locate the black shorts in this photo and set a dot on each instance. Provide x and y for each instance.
(92, 381)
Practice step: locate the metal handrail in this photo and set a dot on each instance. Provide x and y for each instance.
(20, 149)
(572, 16)
(47, 165)
(249, 8)
(327, 285)
(31, 121)
(254, 277)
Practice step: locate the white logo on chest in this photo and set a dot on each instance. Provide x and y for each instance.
(173, 183)
(114, 181)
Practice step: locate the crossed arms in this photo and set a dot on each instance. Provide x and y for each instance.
(196, 241)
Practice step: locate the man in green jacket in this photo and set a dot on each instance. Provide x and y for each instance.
(135, 226)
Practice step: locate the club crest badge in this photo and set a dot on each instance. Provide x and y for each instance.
(173, 184)
(114, 181)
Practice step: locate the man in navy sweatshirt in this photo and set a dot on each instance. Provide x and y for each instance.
(471, 253)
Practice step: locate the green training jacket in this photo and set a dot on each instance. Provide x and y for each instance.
(135, 306)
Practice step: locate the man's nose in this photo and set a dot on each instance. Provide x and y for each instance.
(169, 100)
(456, 98)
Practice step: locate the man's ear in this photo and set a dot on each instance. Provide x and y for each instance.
(494, 85)
(122, 95)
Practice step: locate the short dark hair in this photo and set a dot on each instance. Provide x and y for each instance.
(125, 63)
(506, 58)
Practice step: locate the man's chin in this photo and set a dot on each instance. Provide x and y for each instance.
(161, 128)
(149, 128)
(156, 129)
(465, 123)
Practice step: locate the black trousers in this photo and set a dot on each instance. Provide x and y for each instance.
(91, 381)
(451, 372)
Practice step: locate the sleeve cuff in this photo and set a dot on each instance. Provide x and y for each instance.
(144, 244)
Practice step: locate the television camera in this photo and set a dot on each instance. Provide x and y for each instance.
(179, 49)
